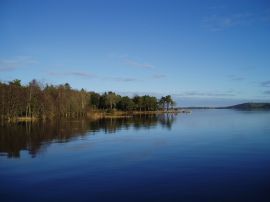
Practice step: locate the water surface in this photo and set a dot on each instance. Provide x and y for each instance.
(209, 155)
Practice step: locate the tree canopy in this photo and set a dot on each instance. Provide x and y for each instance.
(47, 101)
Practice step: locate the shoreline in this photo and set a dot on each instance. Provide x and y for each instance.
(95, 115)
(130, 114)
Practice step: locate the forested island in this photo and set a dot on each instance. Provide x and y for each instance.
(35, 101)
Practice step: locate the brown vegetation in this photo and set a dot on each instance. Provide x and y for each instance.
(34, 101)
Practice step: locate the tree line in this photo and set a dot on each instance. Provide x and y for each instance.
(36, 100)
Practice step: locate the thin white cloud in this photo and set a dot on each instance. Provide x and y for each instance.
(265, 83)
(233, 77)
(159, 76)
(134, 63)
(115, 55)
(206, 94)
(73, 73)
(190, 94)
(266, 16)
(16, 63)
(217, 7)
(122, 79)
(125, 59)
(220, 23)
(86, 75)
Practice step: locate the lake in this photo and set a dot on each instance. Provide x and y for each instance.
(209, 155)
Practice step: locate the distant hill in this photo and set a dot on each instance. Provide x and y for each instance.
(249, 106)
(243, 106)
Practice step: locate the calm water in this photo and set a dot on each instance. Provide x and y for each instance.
(209, 155)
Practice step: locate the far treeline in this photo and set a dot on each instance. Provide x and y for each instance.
(52, 101)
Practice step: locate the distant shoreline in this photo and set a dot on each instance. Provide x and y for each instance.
(243, 106)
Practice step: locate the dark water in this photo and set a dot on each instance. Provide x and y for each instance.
(209, 155)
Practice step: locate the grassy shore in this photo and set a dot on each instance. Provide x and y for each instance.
(18, 119)
(128, 114)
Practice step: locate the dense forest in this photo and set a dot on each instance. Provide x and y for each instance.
(49, 101)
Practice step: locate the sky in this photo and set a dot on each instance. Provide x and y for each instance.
(203, 53)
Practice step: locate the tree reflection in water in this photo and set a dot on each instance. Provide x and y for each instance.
(36, 137)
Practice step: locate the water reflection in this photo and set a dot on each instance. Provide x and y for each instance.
(36, 137)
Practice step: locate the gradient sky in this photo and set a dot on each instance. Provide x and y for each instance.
(211, 53)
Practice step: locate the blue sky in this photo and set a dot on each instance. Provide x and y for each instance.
(202, 52)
